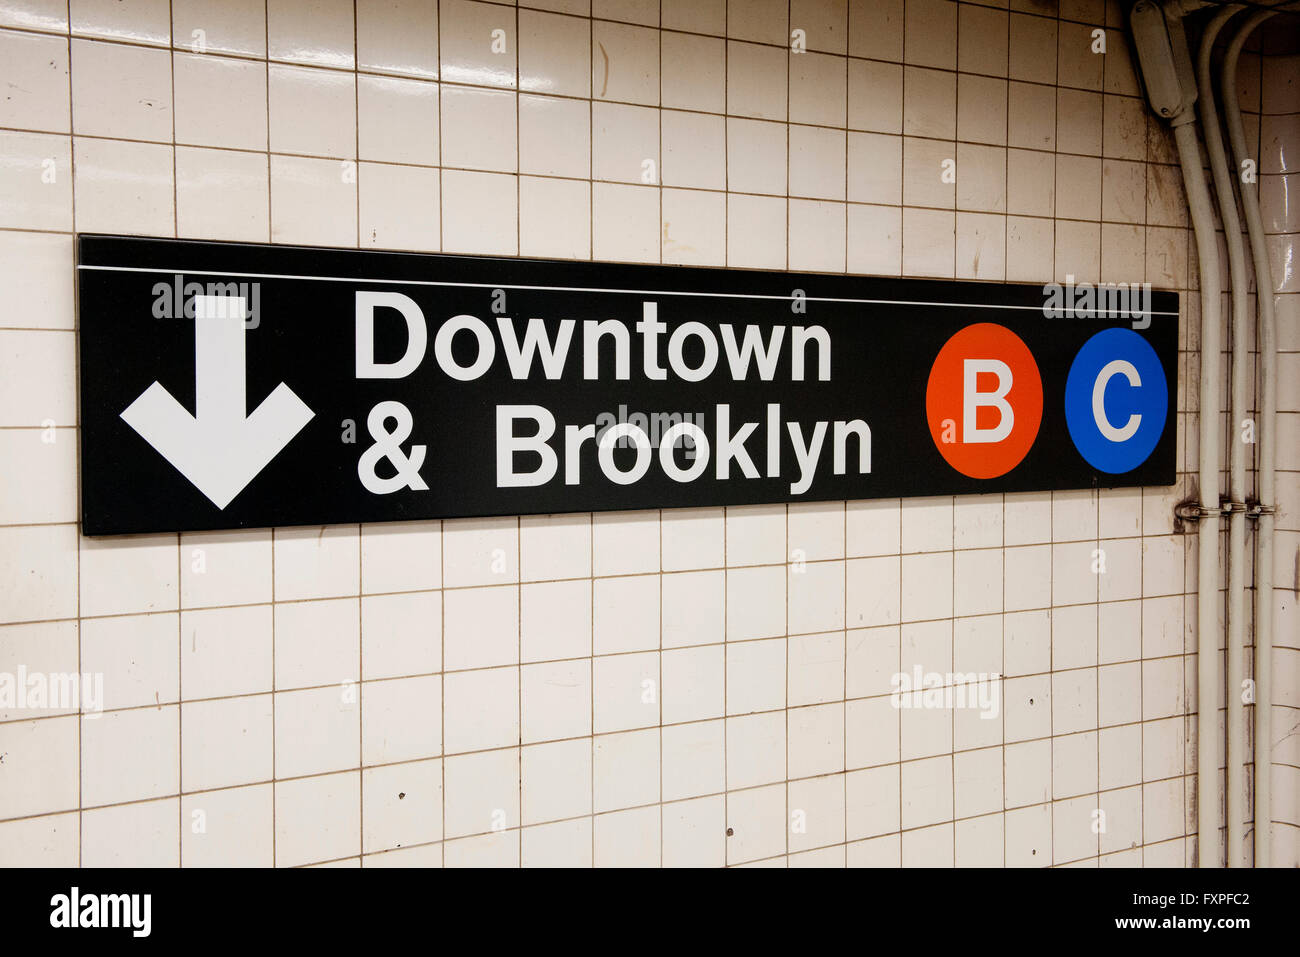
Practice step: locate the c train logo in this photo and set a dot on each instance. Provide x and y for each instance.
(1116, 400)
(984, 400)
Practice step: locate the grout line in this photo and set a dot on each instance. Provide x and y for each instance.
(180, 711)
(80, 756)
(952, 627)
(361, 659)
(270, 228)
(591, 645)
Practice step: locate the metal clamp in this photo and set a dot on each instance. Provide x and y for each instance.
(1194, 511)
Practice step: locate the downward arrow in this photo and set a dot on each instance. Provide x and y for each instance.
(220, 448)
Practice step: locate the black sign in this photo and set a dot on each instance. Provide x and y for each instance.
(226, 385)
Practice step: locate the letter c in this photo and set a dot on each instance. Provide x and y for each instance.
(1109, 371)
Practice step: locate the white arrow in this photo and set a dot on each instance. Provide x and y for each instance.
(220, 448)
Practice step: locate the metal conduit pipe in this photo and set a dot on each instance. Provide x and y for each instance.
(1210, 845)
(1265, 439)
(1240, 356)
(1169, 78)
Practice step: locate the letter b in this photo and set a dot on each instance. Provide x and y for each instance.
(508, 444)
(973, 399)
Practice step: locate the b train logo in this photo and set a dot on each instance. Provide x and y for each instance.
(984, 400)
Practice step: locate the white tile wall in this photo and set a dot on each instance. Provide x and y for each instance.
(1274, 92)
(687, 688)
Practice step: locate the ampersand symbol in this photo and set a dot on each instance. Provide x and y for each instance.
(388, 445)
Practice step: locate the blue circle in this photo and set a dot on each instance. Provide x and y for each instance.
(1121, 369)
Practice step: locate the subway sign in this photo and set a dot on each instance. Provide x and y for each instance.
(226, 385)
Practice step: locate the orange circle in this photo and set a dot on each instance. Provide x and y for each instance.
(995, 366)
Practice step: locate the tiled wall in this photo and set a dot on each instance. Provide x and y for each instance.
(681, 687)
(1277, 99)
